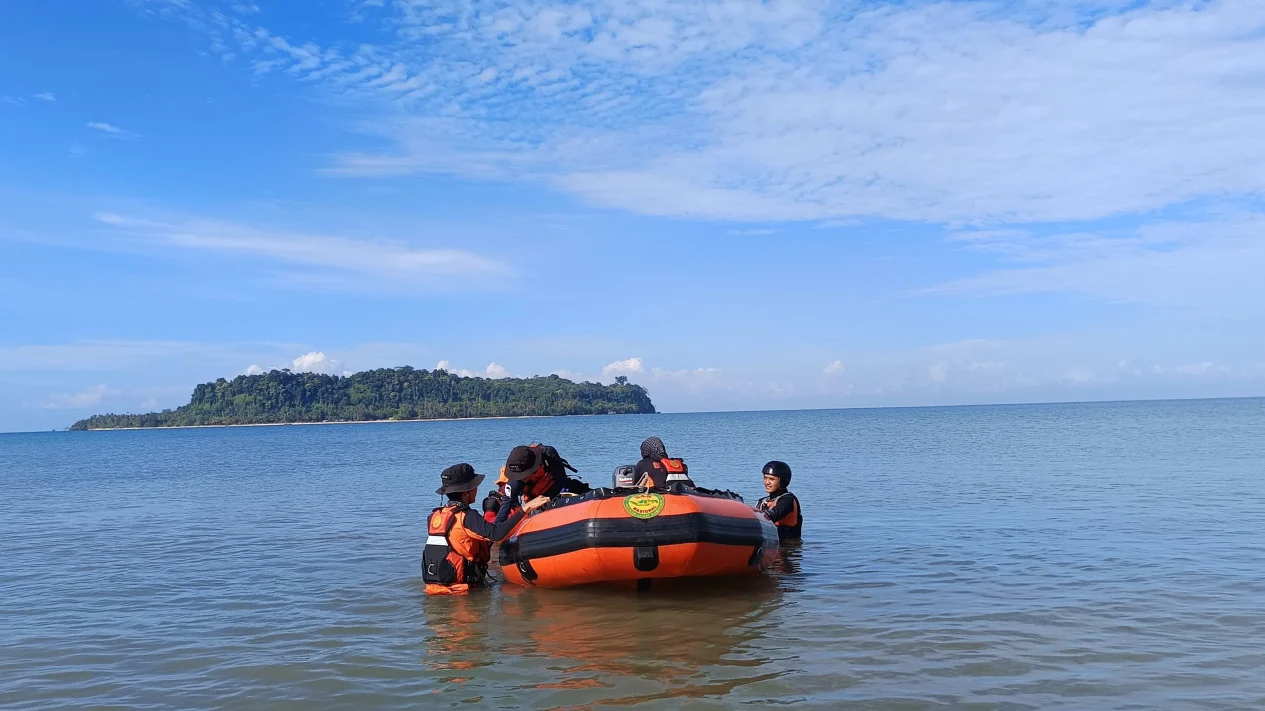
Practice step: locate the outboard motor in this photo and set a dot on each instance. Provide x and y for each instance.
(625, 476)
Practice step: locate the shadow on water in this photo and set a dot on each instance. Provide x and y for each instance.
(601, 645)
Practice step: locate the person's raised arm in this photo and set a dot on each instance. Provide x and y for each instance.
(496, 531)
(493, 532)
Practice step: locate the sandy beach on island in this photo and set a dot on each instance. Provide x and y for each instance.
(349, 422)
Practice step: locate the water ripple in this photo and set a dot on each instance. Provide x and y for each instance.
(1048, 557)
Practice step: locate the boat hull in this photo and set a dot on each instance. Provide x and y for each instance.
(623, 536)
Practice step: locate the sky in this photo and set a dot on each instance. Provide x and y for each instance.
(739, 205)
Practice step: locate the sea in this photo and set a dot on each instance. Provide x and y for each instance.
(1068, 556)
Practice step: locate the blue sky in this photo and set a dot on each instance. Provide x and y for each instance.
(739, 205)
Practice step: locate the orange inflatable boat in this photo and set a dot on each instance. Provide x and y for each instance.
(634, 536)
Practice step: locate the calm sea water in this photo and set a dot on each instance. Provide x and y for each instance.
(1098, 556)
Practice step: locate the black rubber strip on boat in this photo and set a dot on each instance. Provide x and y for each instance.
(631, 533)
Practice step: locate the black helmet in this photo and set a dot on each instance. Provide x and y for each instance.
(781, 470)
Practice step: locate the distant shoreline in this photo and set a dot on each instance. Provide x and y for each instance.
(349, 422)
(1020, 403)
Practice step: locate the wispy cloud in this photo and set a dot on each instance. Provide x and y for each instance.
(87, 398)
(113, 131)
(1215, 263)
(114, 356)
(375, 264)
(22, 100)
(798, 109)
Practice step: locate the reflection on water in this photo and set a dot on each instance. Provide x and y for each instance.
(681, 640)
(786, 569)
(1080, 557)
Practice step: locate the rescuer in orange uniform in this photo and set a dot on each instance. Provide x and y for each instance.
(459, 545)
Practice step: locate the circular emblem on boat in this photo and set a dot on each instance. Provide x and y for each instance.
(644, 505)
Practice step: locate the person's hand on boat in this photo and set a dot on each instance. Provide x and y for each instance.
(535, 504)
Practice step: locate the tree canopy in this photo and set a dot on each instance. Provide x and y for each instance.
(281, 396)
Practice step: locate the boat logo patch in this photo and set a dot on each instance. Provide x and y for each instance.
(644, 505)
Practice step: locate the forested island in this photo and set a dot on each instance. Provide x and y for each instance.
(280, 396)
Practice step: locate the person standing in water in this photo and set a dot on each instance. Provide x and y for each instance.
(780, 505)
(458, 544)
(657, 469)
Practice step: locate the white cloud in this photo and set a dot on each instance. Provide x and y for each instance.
(376, 264)
(316, 362)
(463, 372)
(87, 398)
(800, 109)
(254, 369)
(1205, 369)
(1215, 263)
(114, 131)
(495, 371)
(688, 380)
(628, 366)
(939, 372)
(45, 96)
(835, 368)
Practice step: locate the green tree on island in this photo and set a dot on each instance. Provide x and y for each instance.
(405, 393)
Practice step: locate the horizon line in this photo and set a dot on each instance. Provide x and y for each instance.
(720, 412)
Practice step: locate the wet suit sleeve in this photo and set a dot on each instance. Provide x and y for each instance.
(782, 507)
(478, 526)
(515, 490)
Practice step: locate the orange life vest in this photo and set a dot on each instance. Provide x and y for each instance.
(790, 520)
(676, 469)
(539, 483)
(453, 556)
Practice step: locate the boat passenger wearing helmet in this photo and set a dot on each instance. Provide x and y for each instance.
(459, 545)
(780, 505)
(657, 469)
(537, 470)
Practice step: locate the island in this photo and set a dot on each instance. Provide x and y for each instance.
(283, 397)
